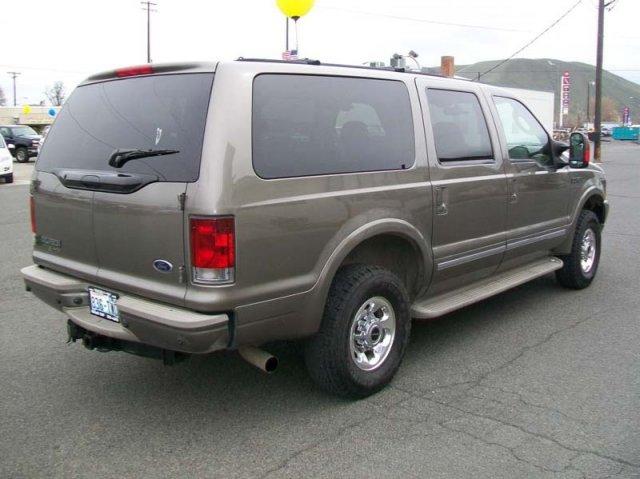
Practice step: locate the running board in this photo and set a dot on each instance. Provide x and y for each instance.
(447, 302)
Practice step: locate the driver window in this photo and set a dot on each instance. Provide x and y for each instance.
(526, 139)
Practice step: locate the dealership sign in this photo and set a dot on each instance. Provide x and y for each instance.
(566, 92)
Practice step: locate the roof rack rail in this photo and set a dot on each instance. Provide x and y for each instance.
(305, 61)
(309, 61)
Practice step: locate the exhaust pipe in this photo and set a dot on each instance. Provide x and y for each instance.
(261, 359)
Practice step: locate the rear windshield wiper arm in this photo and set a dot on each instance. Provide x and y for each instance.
(119, 157)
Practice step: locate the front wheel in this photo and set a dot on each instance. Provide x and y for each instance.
(22, 155)
(581, 265)
(8, 178)
(364, 332)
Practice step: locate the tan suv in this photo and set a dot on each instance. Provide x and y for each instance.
(189, 208)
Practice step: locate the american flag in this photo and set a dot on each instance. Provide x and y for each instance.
(290, 55)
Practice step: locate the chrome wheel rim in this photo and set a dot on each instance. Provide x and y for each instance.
(588, 250)
(373, 330)
(21, 156)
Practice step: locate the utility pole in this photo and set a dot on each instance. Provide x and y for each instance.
(148, 6)
(599, 60)
(13, 75)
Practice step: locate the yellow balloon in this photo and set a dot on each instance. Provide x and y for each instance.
(26, 109)
(295, 8)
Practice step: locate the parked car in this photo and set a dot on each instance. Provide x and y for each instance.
(24, 139)
(6, 162)
(43, 137)
(243, 202)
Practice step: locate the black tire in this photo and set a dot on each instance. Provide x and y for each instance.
(328, 355)
(22, 154)
(8, 178)
(573, 275)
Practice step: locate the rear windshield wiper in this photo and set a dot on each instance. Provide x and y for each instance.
(119, 157)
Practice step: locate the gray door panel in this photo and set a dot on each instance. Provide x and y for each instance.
(469, 193)
(539, 193)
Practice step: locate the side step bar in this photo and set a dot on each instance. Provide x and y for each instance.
(448, 302)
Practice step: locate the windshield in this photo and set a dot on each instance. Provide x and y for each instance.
(162, 112)
(23, 131)
(2, 143)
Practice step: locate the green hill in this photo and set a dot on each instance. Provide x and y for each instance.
(544, 74)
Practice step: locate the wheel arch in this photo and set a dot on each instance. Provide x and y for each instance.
(592, 200)
(364, 245)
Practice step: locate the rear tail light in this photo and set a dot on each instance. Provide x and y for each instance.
(134, 71)
(213, 250)
(32, 212)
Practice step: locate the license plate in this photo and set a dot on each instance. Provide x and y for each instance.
(103, 304)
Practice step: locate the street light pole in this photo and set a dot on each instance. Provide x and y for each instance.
(589, 83)
(599, 60)
(13, 76)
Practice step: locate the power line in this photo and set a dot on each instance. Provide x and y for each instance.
(422, 20)
(532, 40)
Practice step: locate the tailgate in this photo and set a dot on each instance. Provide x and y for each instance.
(111, 174)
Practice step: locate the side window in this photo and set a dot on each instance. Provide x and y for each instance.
(459, 126)
(526, 138)
(316, 125)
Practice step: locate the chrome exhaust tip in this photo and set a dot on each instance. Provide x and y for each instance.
(259, 358)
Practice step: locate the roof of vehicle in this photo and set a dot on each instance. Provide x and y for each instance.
(152, 69)
(196, 67)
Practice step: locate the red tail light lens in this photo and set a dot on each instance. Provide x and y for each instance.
(586, 156)
(134, 71)
(32, 212)
(213, 252)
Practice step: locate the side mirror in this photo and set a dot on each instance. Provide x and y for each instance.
(579, 150)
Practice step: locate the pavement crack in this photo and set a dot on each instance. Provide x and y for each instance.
(538, 435)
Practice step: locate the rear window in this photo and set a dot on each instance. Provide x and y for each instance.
(459, 127)
(166, 112)
(314, 125)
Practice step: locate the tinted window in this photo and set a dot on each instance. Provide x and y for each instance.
(155, 112)
(459, 127)
(313, 125)
(526, 138)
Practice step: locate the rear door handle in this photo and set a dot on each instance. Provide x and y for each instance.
(441, 200)
(513, 191)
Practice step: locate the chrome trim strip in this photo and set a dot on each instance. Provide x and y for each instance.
(450, 263)
(534, 239)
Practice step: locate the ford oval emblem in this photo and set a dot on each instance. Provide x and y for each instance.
(162, 266)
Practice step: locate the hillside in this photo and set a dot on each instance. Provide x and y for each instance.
(544, 74)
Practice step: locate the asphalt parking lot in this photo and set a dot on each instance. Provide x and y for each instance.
(536, 382)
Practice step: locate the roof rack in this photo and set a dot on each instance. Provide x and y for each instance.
(309, 61)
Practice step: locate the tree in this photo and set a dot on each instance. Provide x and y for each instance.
(610, 110)
(56, 93)
(3, 99)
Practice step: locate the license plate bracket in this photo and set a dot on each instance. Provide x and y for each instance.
(103, 304)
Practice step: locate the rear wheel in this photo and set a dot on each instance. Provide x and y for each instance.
(22, 155)
(581, 265)
(364, 332)
(8, 178)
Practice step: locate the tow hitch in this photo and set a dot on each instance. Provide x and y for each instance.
(104, 344)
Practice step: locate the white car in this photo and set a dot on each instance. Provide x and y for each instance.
(6, 162)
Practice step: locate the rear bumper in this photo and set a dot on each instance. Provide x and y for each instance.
(142, 321)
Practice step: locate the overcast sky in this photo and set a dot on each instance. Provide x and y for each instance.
(48, 40)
